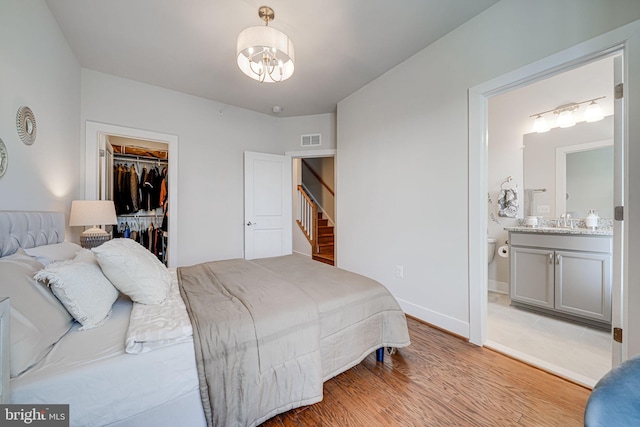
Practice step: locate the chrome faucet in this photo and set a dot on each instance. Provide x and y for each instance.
(566, 218)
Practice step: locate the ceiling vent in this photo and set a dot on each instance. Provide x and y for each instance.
(311, 140)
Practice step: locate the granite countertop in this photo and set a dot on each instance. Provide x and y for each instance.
(599, 231)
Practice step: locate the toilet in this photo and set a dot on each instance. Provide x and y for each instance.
(491, 250)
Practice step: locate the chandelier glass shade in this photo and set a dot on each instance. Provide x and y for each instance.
(264, 53)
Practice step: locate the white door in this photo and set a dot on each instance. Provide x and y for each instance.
(106, 169)
(267, 205)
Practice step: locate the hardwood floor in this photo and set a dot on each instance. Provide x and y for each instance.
(441, 380)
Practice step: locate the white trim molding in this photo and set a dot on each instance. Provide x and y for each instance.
(95, 131)
(613, 42)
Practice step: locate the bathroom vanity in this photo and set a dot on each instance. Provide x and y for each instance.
(563, 272)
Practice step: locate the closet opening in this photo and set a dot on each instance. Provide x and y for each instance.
(136, 176)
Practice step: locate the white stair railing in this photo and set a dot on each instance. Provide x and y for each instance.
(307, 217)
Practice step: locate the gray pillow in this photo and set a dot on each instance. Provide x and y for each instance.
(38, 319)
(47, 254)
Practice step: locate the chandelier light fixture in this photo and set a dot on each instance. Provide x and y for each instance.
(566, 117)
(264, 53)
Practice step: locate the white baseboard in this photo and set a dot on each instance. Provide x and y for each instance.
(440, 320)
(497, 286)
(301, 253)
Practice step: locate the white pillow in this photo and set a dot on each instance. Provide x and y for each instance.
(38, 320)
(82, 288)
(134, 270)
(57, 252)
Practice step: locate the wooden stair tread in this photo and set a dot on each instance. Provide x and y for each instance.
(325, 258)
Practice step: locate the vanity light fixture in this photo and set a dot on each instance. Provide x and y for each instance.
(264, 53)
(565, 115)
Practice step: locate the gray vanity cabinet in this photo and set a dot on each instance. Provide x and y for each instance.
(568, 275)
(583, 284)
(532, 276)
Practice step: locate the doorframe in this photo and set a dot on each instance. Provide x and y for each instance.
(306, 154)
(94, 133)
(610, 43)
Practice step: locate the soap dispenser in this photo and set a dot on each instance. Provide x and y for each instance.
(592, 219)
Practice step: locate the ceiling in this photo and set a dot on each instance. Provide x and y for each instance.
(190, 45)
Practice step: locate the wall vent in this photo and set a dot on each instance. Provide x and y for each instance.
(311, 140)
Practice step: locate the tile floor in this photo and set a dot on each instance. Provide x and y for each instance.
(576, 352)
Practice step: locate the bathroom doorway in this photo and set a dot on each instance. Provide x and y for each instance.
(527, 162)
(479, 96)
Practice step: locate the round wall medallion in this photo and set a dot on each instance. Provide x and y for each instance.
(4, 158)
(26, 123)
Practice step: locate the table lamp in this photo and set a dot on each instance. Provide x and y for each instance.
(92, 213)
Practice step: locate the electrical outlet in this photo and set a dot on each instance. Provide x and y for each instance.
(399, 271)
(543, 209)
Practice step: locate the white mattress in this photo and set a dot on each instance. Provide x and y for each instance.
(85, 366)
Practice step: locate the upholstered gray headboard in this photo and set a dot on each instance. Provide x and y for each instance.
(20, 229)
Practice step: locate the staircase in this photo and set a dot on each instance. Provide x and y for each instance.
(326, 240)
(316, 228)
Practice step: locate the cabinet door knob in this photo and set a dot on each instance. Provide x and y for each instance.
(550, 257)
(557, 258)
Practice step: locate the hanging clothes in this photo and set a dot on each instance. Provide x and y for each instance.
(140, 190)
(155, 191)
(147, 188)
(163, 188)
(134, 189)
(144, 193)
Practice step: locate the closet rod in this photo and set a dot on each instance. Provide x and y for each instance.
(139, 158)
(141, 216)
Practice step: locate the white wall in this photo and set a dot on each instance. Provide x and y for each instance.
(402, 165)
(212, 138)
(291, 128)
(38, 70)
(510, 121)
(211, 147)
(325, 168)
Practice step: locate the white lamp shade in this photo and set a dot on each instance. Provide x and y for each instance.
(566, 120)
(593, 113)
(255, 40)
(540, 125)
(92, 212)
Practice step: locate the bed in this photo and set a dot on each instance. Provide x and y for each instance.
(224, 343)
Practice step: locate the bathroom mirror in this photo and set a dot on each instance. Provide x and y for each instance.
(585, 151)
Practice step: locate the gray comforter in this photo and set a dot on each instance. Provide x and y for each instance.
(267, 333)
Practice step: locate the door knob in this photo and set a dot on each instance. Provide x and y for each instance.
(249, 223)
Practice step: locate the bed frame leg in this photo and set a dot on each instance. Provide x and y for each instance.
(380, 355)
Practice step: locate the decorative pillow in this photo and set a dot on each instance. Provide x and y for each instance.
(134, 270)
(38, 320)
(82, 288)
(57, 252)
